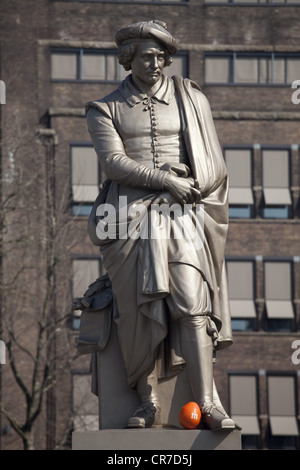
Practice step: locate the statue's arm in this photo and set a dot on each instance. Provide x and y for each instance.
(116, 165)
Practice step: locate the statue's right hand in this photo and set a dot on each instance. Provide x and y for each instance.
(183, 189)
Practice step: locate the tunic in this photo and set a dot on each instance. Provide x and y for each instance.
(138, 140)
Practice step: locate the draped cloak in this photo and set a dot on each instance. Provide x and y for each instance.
(147, 330)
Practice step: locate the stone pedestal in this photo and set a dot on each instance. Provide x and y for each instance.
(156, 439)
(117, 402)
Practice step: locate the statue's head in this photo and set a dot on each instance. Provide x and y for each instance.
(129, 38)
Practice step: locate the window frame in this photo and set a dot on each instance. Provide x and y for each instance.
(275, 440)
(81, 51)
(252, 322)
(82, 208)
(248, 208)
(276, 208)
(246, 437)
(282, 324)
(233, 55)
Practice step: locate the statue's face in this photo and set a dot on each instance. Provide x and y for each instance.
(148, 62)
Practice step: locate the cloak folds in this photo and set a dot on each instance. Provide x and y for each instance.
(208, 167)
(138, 268)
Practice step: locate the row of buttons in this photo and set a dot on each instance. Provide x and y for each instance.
(150, 105)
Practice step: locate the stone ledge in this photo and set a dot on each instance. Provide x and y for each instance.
(64, 112)
(156, 439)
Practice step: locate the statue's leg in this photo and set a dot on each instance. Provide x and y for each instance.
(197, 350)
(216, 399)
(218, 404)
(149, 410)
(190, 304)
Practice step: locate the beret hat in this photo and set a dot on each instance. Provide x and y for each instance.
(155, 30)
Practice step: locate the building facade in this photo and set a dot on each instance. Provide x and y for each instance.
(56, 55)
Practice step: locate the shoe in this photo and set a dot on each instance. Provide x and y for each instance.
(216, 418)
(217, 403)
(221, 410)
(143, 417)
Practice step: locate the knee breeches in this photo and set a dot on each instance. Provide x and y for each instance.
(189, 293)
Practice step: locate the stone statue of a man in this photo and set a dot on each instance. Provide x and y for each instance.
(157, 143)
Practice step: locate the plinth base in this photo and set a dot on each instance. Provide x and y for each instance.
(156, 439)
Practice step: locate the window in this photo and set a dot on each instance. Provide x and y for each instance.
(241, 294)
(282, 411)
(239, 167)
(86, 178)
(94, 65)
(278, 295)
(85, 271)
(244, 403)
(251, 68)
(86, 65)
(101, 67)
(276, 182)
(85, 404)
(272, 167)
(218, 69)
(179, 65)
(64, 65)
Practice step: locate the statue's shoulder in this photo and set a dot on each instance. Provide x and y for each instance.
(193, 84)
(187, 87)
(186, 83)
(105, 103)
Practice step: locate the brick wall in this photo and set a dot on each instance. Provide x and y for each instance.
(29, 30)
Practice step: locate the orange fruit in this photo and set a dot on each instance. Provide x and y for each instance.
(190, 415)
